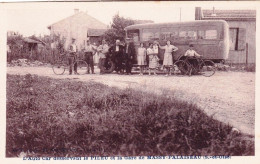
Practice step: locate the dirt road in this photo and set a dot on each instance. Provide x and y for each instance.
(227, 96)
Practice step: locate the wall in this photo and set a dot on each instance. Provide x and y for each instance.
(240, 56)
(76, 27)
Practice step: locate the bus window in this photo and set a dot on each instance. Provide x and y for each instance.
(157, 35)
(183, 34)
(192, 35)
(149, 34)
(188, 35)
(169, 33)
(201, 34)
(211, 34)
(133, 34)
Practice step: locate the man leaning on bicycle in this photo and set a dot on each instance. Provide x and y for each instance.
(192, 56)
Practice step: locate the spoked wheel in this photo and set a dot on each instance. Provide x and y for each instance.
(207, 68)
(109, 66)
(82, 67)
(59, 67)
(180, 67)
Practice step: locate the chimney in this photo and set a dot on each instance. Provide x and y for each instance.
(213, 12)
(76, 11)
(198, 13)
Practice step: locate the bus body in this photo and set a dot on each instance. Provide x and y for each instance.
(209, 38)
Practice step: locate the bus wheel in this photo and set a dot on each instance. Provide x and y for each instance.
(180, 67)
(109, 66)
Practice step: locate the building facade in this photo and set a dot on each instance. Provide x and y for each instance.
(76, 26)
(242, 32)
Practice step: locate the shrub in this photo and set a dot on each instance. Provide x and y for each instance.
(47, 117)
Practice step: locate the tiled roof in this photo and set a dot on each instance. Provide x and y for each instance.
(229, 14)
(96, 32)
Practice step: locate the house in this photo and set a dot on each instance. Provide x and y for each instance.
(33, 45)
(242, 32)
(94, 35)
(79, 26)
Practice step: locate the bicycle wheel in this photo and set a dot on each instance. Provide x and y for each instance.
(82, 67)
(59, 67)
(207, 68)
(181, 67)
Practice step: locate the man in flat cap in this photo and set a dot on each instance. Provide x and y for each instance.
(129, 55)
(89, 51)
(72, 56)
(117, 52)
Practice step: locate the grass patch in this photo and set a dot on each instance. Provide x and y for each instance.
(50, 117)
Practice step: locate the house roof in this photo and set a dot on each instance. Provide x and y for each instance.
(96, 32)
(229, 14)
(30, 40)
(89, 21)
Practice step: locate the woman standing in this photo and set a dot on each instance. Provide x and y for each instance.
(153, 58)
(141, 55)
(167, 60)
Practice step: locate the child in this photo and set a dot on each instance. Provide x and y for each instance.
(141, 56)
(153, 58)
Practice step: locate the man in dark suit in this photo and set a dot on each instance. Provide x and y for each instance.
(117, 52)
(129, 55)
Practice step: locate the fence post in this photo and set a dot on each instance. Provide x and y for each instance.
(246, 55)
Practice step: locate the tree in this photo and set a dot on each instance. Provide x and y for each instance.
(116, 30)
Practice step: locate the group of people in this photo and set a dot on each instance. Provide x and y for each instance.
(123, 56)
(152, 51)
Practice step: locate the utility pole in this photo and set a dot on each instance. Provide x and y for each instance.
(180, 14)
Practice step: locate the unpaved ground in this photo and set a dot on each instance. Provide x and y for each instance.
(227, 96)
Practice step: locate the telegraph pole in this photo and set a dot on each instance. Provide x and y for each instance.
(180, 14)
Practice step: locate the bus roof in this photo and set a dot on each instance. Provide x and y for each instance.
(198, 22)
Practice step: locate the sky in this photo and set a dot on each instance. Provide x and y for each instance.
(33, 18)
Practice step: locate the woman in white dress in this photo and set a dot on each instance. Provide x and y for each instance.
(167, 60)
(141, 56)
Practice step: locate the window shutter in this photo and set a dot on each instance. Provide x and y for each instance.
(241, 39)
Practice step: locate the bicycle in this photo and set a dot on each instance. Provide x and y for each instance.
(204, 67)
(62, 64)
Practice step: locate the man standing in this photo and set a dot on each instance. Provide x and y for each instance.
(72, 56)
(103, 50)
(88, 49)
(117, 51)
(129, 55)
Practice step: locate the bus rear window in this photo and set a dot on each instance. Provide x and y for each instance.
(133, 34)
